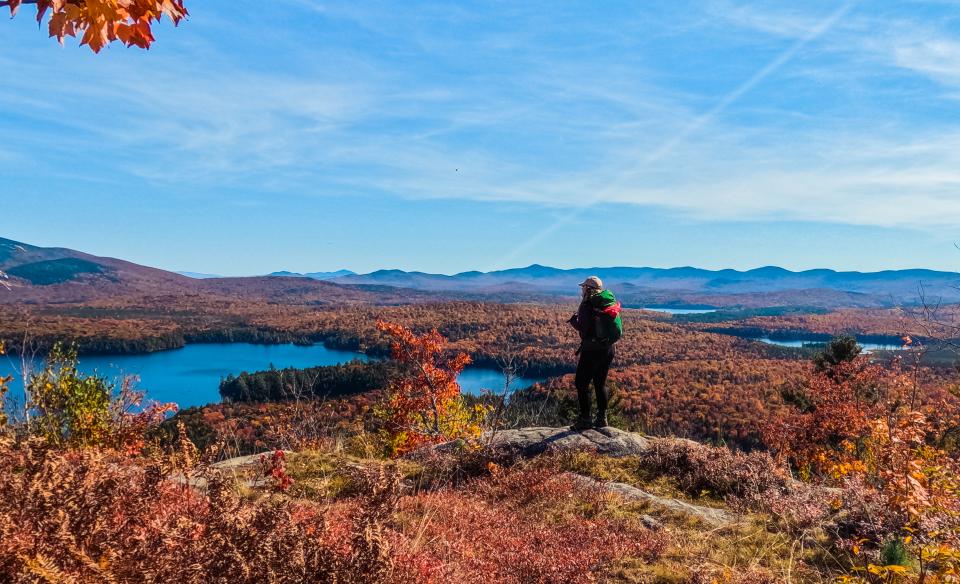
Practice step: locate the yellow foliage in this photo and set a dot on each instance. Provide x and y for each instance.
(71, 409)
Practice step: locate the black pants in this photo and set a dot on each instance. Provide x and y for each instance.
(593, 366)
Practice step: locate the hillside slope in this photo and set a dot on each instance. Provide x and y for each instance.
(37, 275)
(58, 275)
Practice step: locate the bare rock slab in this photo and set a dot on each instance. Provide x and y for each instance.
(247, 461)
(709, 515)
(529, 442)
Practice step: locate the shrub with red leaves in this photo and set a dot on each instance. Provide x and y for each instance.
(720, 471)
(251, 428)
(747, 481)
(526, 525)
(274, 468)
(89, 517)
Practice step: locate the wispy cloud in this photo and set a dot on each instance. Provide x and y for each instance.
(512, 103)
(938, 58)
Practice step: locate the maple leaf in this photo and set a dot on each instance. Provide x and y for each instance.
(138, 34)
(96, 37)
(61, 27)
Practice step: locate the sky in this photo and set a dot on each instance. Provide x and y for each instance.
(307, 135)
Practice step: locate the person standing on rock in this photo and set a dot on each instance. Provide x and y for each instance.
(598, 322)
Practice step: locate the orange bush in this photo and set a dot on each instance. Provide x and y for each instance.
(423, 404)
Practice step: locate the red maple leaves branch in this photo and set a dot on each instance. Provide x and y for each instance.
(100, 22)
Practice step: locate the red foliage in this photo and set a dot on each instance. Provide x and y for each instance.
(844, 400)
(274, 468)
(89, 517)
(251, 428)
(718, 400)
(132, 428)
(867, 429)
(512, 528)
(433, 380)
(724, 473)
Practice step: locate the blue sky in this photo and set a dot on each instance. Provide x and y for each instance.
(310, 135)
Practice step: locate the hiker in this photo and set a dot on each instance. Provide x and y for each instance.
(598, 322)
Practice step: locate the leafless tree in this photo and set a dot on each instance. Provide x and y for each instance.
(305, 421)
(939, 322)
(511, 365)
(24, 362)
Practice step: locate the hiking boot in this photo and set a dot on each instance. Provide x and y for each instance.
(600, 421)
(581, 424)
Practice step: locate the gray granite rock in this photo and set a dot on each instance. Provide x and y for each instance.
(529, 442)
(240, 462)
(709, 515)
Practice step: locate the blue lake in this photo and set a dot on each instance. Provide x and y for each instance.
(191, 376)
(867, 347)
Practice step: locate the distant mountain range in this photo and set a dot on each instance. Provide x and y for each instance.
(315, 275)
(766, 286)
(892, 283)
(38, 274)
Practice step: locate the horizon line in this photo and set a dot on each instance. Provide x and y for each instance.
(278, 273)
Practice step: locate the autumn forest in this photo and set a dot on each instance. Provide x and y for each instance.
(600, 292)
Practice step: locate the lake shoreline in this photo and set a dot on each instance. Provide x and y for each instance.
(107, 346)
(191, 375)
(781, 337)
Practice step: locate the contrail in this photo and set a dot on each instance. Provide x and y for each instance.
(701, 121)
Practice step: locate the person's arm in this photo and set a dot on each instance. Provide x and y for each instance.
(575, 321)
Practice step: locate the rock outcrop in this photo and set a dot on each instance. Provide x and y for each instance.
(528, 442)
(531, 442)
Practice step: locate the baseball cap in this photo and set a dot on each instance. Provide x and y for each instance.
(592, 282)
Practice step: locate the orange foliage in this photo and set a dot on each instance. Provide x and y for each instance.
(721, 400)
(424, 404)
(539, 335)
(843, 402)
(544, 341)
(866, 428)
(90, 517)
(100, 22)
